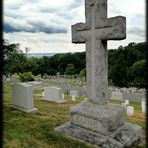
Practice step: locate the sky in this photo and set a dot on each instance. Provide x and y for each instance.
(45, 25)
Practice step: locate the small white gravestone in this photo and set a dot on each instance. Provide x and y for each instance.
(43, 93)
(62, 96)
(130, 110)
(127, 102)
(22, 97)
(143, 105)
(74, 93)
(53, 94)
(73, 98)
(7, 79)
(116, 96)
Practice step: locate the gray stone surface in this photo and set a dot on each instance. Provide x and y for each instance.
(103, 119)
(125, 136)
(95, 33)
(22, 97)
(101, 125)
(94, 121)
(53, 94)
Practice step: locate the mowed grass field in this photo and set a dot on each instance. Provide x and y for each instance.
(26, 130)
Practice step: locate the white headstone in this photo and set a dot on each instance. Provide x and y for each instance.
(7, 79)
(85, 99)
(22, 97)
(74, 93)
(116, 96)
(127, 102)
(62, 96)
(53, 94)
(143, 106)
(73, 98)
(130, 110)
(43, 93)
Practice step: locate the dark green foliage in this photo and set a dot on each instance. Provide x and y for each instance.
(31, 65)
(83, 73)
(27, 76)
(14, 63)
(120, 62)
(70, 70)
(138, 73)
(118, 71)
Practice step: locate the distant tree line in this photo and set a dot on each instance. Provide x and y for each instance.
(126, 65)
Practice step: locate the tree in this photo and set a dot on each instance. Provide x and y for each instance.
(138, 73)
(14, 59)
(31, 65)
(83, 73)
(118, 71)
(70, 70)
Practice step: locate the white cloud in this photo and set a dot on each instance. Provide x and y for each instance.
(50, 20)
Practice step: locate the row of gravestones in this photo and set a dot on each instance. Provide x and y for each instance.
(137, 97)
(127, 96)
(76, 82)
(22, 96)
(53, 80)
(134, 94)
(68, 82)
(127, 90)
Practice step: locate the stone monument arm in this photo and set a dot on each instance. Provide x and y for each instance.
(115, 28)
(78, 32)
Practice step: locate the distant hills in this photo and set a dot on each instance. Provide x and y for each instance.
(40, 55)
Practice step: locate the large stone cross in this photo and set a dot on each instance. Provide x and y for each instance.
(95, 32)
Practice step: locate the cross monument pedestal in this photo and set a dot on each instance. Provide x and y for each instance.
(95, 121)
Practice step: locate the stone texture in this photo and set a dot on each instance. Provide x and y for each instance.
(95, 33)
(94, 121)
(53, 94)
(22, 97)
(103, 119)
(125, 136)
(101, 125)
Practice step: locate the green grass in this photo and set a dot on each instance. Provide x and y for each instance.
(22, 130)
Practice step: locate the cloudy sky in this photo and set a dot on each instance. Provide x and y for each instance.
(45, 25)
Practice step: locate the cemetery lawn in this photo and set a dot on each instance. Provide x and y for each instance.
(26, 130)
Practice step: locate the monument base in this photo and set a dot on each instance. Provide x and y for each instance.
(101, 125)
(34, 110)
(125, 136)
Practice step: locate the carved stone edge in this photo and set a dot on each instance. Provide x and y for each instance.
(98, 140)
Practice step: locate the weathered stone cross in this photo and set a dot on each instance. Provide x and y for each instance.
(95, 33)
